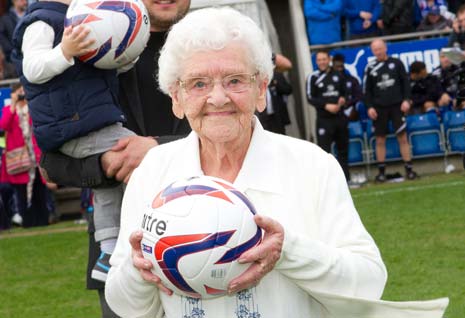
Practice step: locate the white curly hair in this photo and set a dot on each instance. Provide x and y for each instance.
(212, 29)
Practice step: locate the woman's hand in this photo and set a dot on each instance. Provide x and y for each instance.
(263, 256)
(144, 266)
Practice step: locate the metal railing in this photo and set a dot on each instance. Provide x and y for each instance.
(395, 37)
(8, 82)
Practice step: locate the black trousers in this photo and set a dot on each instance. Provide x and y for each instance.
(37, 214)
(335, 129)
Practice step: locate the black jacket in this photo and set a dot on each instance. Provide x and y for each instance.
(325, 88)
(397, 16)
(427, 89)
(279, 87)
(385, 83)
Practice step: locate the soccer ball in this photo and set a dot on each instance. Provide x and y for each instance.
(121, 29)
(194, 232)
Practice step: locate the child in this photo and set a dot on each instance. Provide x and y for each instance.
(73, 105)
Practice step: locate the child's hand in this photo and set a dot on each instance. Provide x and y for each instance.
(74, 43)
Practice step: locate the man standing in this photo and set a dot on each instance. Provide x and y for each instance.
(326, 92)
(396, 17)
(387, 97)
(148, 112)
(353, 89)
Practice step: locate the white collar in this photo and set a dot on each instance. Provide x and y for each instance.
(261, 168)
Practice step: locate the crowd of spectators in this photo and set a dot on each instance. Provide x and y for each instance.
(330, 21)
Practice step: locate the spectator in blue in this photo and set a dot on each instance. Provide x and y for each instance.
(424, 7)
(362, 17)
(434, 21)
(323, 21)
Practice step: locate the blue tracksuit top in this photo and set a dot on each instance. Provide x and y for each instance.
(352, 10)
(323, 21)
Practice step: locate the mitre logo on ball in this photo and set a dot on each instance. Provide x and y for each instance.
(195, 231)
(121, 29)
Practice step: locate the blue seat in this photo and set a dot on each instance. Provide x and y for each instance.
(355, 129)
(356, 143)
(454, 130)
(425, 137)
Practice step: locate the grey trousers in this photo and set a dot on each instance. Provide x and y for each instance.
(107, 202)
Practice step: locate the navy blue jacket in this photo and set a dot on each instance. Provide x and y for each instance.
(74, 103)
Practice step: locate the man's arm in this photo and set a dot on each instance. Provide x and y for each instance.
(100, 170)
(317, 102)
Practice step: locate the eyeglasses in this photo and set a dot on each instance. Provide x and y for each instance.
(234, 83)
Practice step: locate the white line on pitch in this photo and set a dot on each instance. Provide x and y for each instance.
(411, 188)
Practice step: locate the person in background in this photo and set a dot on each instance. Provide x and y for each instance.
(8, 23)
(218, 85)
(423, 7)
(396, 17)
(353, 89)
(29, 185)
(7, 70)
(323, 19)
(72, 104)
(148, 112)
(326, 91)
(426, 91)
(362, 17)
(276, 117)
(434, 21)
(446, 72)
(386, 91)
(457, 37)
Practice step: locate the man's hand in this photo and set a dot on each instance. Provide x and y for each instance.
(282, 63)
(372, 113)
(332, 108)
(125, 156)
(366, 24)
(405, 106)
(341, 101)
(365, 15)
(74, 43)
(144, 266)
(444, 100)
(262, 257)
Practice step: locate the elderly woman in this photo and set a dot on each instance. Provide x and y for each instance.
(215, 65)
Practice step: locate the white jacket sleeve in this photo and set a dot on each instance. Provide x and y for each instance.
(126, 292)
(343, 259)
(41, 60)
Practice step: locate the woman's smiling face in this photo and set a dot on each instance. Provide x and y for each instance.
(220, 115)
